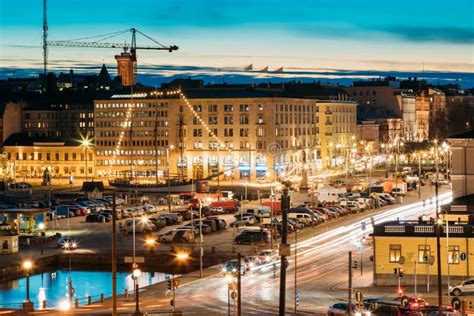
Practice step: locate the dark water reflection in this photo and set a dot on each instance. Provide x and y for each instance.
(53, 286)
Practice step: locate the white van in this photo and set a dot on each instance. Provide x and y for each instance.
(304, 216)
(140, 226)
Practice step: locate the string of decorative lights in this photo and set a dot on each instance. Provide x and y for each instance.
(128, 123)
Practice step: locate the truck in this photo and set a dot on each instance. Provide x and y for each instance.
(276, 206)
(229, 206)
(400, 185)
(328, 193)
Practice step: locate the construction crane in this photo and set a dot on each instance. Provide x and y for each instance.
(127, 60)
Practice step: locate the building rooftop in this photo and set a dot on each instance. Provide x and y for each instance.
(469, 134)
(422, 228)
(21, 139)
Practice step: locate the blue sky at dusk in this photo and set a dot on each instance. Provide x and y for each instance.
(315, 39)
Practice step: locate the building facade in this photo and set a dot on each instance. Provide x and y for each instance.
(244, 134)
(462, 163)
(412, 247)
(67, 120)
(62, 158)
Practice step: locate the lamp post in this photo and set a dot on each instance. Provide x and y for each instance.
(135, 274)
(171, 147)
(182, 257)
(27, 265)
(69, 246)
(201, 252)
(86, 142)
(231, 287)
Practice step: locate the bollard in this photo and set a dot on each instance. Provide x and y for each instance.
(101, 297)
(89, 300)
(44, 304)
(125, 292)
(76, 303)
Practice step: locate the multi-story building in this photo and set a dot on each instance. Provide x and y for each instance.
(32, 155)
(59, 119)
(10, 119)
(390, 129)
(368, 133)
(422, 115)
(408, 103)
(244, 133)
(462, 163)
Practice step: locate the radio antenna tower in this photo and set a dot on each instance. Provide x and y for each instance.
(45, 38)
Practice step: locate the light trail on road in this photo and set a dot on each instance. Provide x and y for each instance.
(321, 260)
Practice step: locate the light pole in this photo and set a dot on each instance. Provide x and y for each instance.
(200, 239)
(27, 265)
(171, 147)
(86, 142)
(182, 257)
(69, 246)
(135, 275)
(231, 287)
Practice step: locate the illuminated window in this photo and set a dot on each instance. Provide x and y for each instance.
(453, 255)
(395, 252)
(423, 253)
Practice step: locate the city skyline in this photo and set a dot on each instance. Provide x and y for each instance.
(217, 41)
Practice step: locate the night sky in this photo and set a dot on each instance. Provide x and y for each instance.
(323, 40)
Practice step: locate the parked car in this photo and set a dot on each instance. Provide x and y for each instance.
(176, 235)
(159, 222)
(252, 236)
(149, 208)
(244, 221)
(97, 218)
(140, 226)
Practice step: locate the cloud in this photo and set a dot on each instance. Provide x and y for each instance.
(457, 35)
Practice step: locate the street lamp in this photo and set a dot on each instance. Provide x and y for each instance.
(69, 246)
(27, 265)
(86, 142)
(135, 275)
(150, 242)
(171, 147)
(181, 257)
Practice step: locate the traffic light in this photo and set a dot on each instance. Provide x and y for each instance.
(170, 284)
(354, 264)
(469, 305)
(398, 272)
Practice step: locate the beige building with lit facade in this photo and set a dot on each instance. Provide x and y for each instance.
(246, 134)
(64, 158)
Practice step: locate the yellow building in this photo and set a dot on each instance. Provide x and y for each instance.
(63, 158)
(411, 245)
(247, 134)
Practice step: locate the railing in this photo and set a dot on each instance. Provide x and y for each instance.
(395, 229)
(454, 229)
(424, 229)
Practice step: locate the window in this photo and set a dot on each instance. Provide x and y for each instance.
(244, 119)
(212, 120)
(197, 108)
(244, 132)
(453, 255)
(423, 253)
(244, 108)
(212, 107)
(228, 120)
(228, 108)
(395, 252)
(260, 107)
(229, 132)
(260, 131)
(197, 132)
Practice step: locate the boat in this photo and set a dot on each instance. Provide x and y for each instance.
(175, 186)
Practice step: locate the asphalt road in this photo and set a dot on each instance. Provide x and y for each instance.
(321, 270)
